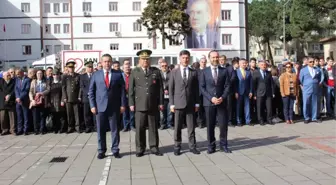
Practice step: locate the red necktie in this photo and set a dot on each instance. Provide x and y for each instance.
(107, 81)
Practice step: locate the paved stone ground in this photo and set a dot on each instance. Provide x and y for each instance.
(273, 155)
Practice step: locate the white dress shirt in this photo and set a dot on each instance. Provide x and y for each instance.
(311, 71)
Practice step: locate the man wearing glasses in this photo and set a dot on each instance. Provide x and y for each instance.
(310, 78)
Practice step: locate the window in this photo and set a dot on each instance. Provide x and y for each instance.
(66, 28)
(26, 50)
(278, 51)
(66, 47)
(57, 28)
(25, 7)
(113, 6)
(87, 27)
(137, 46)
(86, 6)
(114, 27)
(47, 49)
(114, 46)
(88, 46)
(65, 7)
(25, 28)
(136, 26)
(226, 15)
(47, 28)
(226, 39)
(46, 8)
(56, 7)
(317, 47)
(136, 6)
(57, 48)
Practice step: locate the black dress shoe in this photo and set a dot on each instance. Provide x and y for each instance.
(117, 155)
(239, 125)
(306, 121)
(317, 121)
(177, 152)
(101, 156)
(195, 151)
(4, 133)
(43, 132)
(19, 133)
(162, 127)
(226, 150)
(211, 151)
(157, 153)
(26, 133)
(36, 133)
(124, 130)
(270, 123)
(262, 123)
(71, 131)
(140, 154)
(87, 130)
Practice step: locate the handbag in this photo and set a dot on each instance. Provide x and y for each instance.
(38, 100)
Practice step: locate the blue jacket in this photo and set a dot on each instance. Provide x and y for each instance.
(310, 84)
(244, 86)
(22, 87)
(107, 98)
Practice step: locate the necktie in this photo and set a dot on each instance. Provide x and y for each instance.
(215, 75)
(107, 81)
(264, 74)
(243, 73)
(202, 45)
(146, 71)
(184, 73)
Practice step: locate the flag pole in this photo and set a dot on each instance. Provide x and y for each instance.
(6, 61)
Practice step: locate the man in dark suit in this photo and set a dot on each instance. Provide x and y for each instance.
(166, 115)
(263, 91)
(215, 87)
(84, 89)
(243, 92)
(70, 93)
(184, 101)
(22, 87)
(146, 98)
(201, 112)
(107, 98)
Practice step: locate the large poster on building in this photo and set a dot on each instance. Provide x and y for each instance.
(204, 17)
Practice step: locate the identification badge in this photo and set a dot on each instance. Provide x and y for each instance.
(154, 81)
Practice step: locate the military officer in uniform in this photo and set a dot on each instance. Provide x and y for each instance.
(146, 99)
(84, 89)
(71, 97)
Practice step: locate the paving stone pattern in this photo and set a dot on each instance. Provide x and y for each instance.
(270, 155)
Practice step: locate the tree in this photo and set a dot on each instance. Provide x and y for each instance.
(164, 15)
(264, 22)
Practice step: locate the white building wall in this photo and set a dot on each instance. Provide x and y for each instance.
(101, 37)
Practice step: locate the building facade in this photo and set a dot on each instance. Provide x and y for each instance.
(31, 29)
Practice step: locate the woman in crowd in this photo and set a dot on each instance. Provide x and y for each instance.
(38, 101)
(276, 102)
(7, 104)
(289, 92)
(56, 106)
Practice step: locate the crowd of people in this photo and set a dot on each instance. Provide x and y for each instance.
(204, 94)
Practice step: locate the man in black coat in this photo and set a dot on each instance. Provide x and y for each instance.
(263, 91)
(7, 104)
(146, 98)
(84, 89)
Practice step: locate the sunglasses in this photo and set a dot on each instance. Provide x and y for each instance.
(164, 66)
(288, 67)
(311, 61)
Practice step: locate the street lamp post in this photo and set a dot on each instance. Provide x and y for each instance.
(45, 58)
(284, 28)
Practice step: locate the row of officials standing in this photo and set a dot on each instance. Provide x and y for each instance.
(145, 97)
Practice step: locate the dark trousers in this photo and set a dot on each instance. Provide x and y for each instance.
(22, 117)
(39, 119)
(88, 116)
(166, 118)
(277, 106)
(288, 106)
(184, 116)
(59, 121)
(211, 113)
(7, 121)
(110, 119)
(200, 116)
(128, 119)
(142, 120)
(231, 108)
(253, 109)
(264, 103)
(73, 115)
